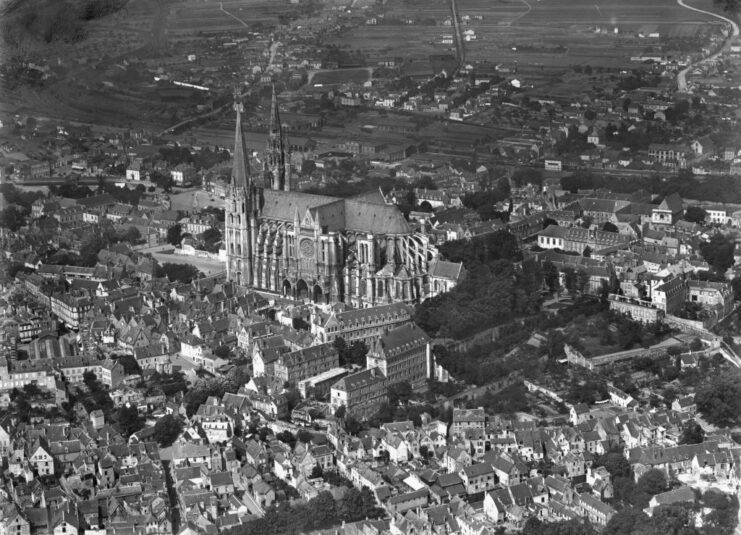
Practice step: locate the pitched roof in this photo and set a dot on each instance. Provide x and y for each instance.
(357, 380)
(446, 270)
(672, 203)
(401, 339)
(334, 213)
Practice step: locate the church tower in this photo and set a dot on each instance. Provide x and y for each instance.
(276, 167)
(241, 210)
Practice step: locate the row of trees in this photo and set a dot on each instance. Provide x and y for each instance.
(722, 189)
(319, 513)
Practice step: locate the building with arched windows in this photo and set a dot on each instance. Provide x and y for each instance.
(360, 251)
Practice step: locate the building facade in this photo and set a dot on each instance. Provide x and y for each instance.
(402, 354)
(361, 325)
(304, 363)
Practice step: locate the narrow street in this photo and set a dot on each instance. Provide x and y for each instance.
(174, 507)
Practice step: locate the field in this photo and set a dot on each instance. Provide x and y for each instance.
(206, 265)
(569, 32)
(552, 33)
(340, 76)
(393, 37)
(191, 17)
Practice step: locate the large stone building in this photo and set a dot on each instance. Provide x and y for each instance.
(576, 239)
(361, 393)
(360, 251)
(402, 354)
(304, 363)
(359, 325)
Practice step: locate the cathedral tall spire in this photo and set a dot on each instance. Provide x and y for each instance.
(275, 152)
(241, 166)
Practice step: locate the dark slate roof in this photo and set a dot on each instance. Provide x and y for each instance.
(446, 270)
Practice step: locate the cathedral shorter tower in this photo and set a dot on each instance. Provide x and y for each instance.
(276, 166)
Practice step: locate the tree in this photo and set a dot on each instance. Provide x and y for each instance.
(624, 521)
(615, 463)
(304, 436)
(132, 235)
(129, 420)
(695, 214)
(308, 167)
(286, 437)
(535, 526)
(223, 352)
(12, 218)
(692, 433)
(90, 380)
(609, 227)
(31, 390)
(651, 483)
(399, 393)
(129, 363)
(178, 272)
(316, 471)
(340, 412)
(167, 429)
(92, 246)
(175, 234)
(351, 354)
(352, 426)
(582, 280)
(718, 398)
(211, 239)
(569, 276)
(358, 505)
(718, 252)
(528, 176)
(550, 275)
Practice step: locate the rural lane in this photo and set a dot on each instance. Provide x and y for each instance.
(243, 23)
(682, 76)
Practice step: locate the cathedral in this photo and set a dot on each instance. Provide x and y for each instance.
(359, 251)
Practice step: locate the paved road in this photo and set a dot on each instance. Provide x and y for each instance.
(682, 76)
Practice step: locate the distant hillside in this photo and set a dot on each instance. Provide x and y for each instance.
(26, 23)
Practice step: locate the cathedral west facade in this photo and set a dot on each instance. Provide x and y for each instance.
(360, 251)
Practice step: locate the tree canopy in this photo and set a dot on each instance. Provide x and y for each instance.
(167, 429)
(178, 272)
(319, 513)
(175, 234)
(492, 292)
(718, 252)
(353, 353)
(718, 398)
(695, 214)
